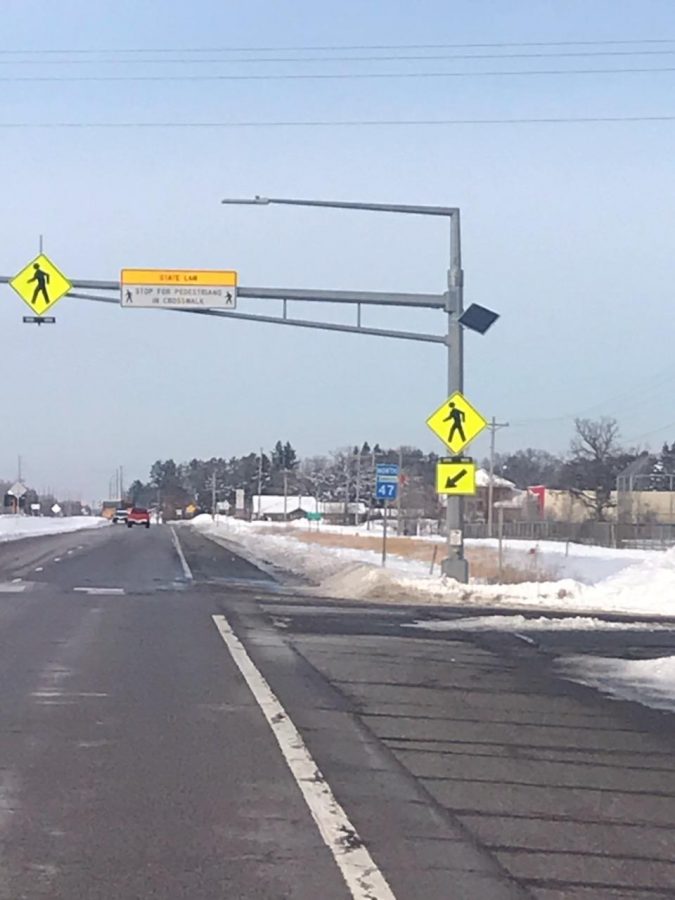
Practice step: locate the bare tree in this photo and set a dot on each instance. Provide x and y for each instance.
(596, 459)
(528, 467)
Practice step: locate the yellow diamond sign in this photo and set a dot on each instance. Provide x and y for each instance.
(456, 422)
(458, 478)
(40, 284)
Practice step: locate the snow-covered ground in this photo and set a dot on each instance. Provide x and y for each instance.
(13, 528)
(580, 562)
(647, 681)
(640, 582)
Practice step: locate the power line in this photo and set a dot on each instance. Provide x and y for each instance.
(339, 47)
(322, 76)
(328, 59)
(649, 383)
(645, 434)
(346, 123)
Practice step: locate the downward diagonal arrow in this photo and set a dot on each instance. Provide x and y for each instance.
(453, 481)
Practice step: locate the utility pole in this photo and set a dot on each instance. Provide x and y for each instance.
(285, 494)
(213, 495)
(358, 485)
(493, 426)
(122, 484)
(348, 475)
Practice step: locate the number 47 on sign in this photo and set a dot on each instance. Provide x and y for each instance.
(386, 485)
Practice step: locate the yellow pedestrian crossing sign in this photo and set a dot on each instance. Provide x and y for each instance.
(456, 422)
(40, 284)
(456, 477)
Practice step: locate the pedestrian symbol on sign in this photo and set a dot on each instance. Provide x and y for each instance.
(456, 422)
(42, 280)
(457, 417)
(40, 285)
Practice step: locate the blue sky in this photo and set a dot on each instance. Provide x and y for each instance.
(567, 228)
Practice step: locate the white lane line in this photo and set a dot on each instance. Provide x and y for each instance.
(9, 587)
(526, 638)
(362, 877)
(181, 556)
(17, 580)
(57, 559)
(99, 590)
(40, 569)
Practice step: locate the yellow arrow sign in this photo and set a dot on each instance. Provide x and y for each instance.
(456, 422)
(40, 284)
(458, 478)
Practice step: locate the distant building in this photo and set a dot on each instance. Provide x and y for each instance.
(333, 512)
(276, 508)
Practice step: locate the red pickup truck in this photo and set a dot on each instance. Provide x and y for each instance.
(138, 516)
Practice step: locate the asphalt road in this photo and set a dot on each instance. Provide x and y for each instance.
(140, 756)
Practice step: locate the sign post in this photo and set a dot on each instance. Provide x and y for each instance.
(16, 492)
(456, 423)
(386, 489)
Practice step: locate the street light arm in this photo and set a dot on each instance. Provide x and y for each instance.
(255, 201)
(447, 211)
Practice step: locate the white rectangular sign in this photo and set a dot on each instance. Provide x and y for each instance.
(178, 289)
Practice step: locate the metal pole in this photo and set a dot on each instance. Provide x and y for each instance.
(213, 495)
(384, 532)
(370, 492)
(285, 495)
(398, 491)
(455, 566)
(260, 475)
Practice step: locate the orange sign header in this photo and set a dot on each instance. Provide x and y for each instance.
(181, 277)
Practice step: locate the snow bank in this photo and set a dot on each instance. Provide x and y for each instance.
(541, 623)
(579, 562)
(642, 582)
(647, 681)
(13, 528)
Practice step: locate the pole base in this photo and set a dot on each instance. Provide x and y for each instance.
(454, 567)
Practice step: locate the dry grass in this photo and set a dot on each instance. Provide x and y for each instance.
(484, 561)
(484, 564)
